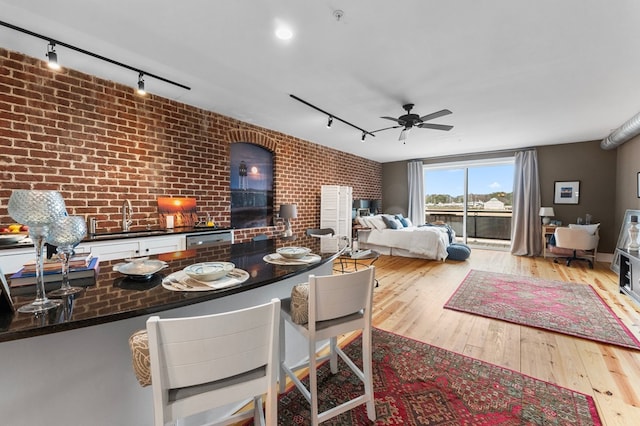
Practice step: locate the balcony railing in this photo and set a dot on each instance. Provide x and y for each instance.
(481, 224)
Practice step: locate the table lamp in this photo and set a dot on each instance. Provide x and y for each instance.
(288, 212)
(546, 212)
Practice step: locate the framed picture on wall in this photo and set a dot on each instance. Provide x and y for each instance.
(566, 192)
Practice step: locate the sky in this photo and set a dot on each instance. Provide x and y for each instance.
(482, 180)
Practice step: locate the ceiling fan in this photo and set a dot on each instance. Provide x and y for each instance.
(409, 121)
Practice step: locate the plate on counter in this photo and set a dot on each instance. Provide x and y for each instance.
(278, 259)
(180, 281)
(141, 270)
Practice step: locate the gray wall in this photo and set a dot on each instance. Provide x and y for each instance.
(594, 167)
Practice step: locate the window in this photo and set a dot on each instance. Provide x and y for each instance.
(474, 198)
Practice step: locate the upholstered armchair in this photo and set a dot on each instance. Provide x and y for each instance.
(581, 240)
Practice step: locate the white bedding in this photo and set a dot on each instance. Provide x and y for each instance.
(429, 242)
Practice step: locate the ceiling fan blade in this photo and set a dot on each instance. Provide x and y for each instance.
(435, 126)
(392, 119)
(386, 128)
(437, 114)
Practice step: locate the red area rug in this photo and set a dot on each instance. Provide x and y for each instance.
(568, 308)
(419, 384)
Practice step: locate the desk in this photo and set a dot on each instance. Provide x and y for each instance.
(547, 232)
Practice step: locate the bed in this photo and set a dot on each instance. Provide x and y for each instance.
(396, 236)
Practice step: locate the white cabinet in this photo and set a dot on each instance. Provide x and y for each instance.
(132, 247)
(335, 209)
(11, 260)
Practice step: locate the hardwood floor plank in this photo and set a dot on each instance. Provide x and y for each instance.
(412, 293)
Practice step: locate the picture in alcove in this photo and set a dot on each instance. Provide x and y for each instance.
(251, 186)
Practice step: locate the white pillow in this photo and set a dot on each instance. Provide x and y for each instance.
(591, 229)
(376, 222)
(406, 219)
(363, 221)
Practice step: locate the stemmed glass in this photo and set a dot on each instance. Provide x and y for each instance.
(37, 210)
(66, 233)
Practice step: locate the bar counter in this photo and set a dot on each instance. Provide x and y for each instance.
(113, 296)
(72, 365)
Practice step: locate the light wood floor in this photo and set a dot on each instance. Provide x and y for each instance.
(410, 299)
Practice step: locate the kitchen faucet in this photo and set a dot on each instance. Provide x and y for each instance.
(127, 215)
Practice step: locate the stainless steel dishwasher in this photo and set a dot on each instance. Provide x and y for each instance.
(208, 239)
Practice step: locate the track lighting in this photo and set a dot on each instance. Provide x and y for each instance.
(141, 90)
(331, 117)
(364, 135)
(52, 56)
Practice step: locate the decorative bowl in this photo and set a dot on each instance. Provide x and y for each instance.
(140, 270)
(293, 252)
(209, 271)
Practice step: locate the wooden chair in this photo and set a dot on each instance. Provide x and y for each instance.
(337, 304)
(320, 232)
(204, 362)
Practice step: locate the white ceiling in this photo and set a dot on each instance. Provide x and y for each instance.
(515, 73)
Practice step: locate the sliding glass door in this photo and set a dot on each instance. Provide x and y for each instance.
(474, 198)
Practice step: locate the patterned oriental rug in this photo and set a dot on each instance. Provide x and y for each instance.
(568, 308)
(419, 384)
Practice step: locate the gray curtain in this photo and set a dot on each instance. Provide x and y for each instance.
(526, 229)
(416, 192)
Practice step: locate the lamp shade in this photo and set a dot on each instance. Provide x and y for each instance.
(546, 211)
(288, 211)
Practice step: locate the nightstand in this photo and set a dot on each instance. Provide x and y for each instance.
(547, 232)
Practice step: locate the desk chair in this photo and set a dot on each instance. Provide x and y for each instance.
(320, 232)
(204, 362)
(578, 238)
(337, 304)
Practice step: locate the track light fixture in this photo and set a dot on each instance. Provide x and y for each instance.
(141, 90)
(329, 122)
(364, 135)
(52, 56)
(331, 117)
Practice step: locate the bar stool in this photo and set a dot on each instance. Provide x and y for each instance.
(337, 304)
(200, 363)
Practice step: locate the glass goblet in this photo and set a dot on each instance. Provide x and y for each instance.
(66, 233)
(37, 209)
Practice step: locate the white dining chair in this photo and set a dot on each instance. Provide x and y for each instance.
(337, 304)
(204, 362)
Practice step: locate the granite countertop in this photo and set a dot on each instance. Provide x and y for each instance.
(113, 296)
(136, 233)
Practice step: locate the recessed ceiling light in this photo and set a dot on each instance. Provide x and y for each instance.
(284, 33)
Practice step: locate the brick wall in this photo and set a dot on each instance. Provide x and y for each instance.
(99, 143)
